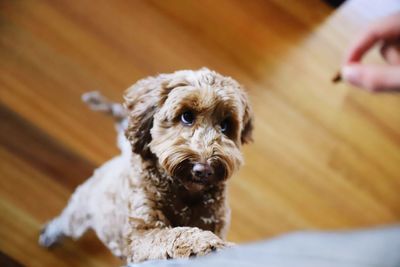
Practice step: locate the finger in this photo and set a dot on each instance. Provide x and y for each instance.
(385, 29)
(363, 43)
(373, 78)
(390, 51)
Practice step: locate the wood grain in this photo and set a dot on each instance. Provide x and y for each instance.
(325, 156)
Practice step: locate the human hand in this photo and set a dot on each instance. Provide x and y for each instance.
(376, 78)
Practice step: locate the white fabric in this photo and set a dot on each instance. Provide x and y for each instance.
(364, 248)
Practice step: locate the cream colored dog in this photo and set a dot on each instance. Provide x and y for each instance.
(165, 195)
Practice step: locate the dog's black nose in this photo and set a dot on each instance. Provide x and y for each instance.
(202, 170)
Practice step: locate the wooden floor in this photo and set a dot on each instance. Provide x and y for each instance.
(325, 156)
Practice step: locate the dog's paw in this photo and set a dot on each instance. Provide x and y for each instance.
(49, 237)
(198, 243)
(204, 248)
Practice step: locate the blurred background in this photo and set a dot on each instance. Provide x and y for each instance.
(325, 156)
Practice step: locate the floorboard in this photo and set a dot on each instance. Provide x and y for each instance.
(325, 156)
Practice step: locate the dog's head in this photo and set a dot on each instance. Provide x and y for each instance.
(192, 123)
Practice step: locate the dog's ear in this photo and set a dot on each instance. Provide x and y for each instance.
(142, 100)
(246, 135)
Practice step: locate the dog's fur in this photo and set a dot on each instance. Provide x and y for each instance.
(146, 203)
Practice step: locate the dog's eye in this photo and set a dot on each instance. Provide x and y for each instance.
(187, 118)
(225, 126)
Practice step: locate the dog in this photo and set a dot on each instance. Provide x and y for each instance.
(165, 195)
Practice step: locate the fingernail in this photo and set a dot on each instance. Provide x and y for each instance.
(350, 74)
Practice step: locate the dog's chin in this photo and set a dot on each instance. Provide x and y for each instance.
(194, 186)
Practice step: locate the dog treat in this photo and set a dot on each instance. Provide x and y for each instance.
(337, 78)
(164, 196)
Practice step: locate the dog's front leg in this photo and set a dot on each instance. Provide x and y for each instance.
(167, 243)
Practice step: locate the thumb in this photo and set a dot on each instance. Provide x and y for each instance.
(373, 78)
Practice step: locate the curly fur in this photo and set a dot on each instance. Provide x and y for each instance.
(146, 203)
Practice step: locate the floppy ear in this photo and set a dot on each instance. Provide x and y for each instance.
(247, 129)
(142, 100)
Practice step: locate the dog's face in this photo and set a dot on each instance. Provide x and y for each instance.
(192, 122)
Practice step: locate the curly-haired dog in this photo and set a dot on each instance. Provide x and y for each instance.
(165, 195)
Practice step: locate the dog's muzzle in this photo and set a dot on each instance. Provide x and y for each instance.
(202, 170)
